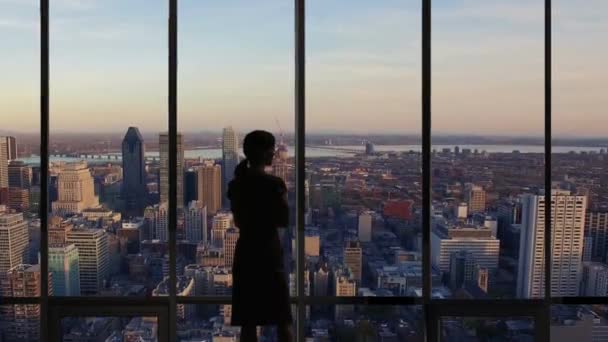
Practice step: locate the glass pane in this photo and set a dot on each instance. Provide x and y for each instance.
(109, 329)
(107, 229)
(19, 150)
(235, 76)
(20, 323)
(583, 323)
(365, 323)
(487, 329)
(487, 159)
(364, 195)
(580, 187)
(213, 323)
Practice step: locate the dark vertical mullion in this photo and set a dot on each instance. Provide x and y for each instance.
(44, 166)
(432, 320)
(300, 83)
(426, 149)
(545, 323)
(173, 171)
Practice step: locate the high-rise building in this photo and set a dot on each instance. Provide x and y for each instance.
(11, 148)
(58, 229)
(190, 185)
(63, 265)
(76, 190)
(19, 175)
(568, 220)
(3, 163)
(230, 158)
(14, 238)
(209, 183)
(221, 222)
(321, 281)
(133, 190)
(475, 196)
(365, 226)
(231, 236)
(594, 279)
(196, 222)
(596, 227)
(93, 256)
(18, 199)
(164, 169)
(477, 240)
(353, 259)
(280, 167)
(462, 269)
(23, 281)
(345, 286)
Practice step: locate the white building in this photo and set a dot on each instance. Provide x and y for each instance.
(93, 256)
(568, 220)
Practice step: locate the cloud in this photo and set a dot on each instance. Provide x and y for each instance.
(19, 24)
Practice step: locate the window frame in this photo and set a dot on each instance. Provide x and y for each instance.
(434, 309)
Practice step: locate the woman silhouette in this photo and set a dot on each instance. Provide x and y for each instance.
(259, 203)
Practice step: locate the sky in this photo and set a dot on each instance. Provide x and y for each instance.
(236, 66)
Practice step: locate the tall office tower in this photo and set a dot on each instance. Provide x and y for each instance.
(596, 227)
(280, 168)
(594, 279)
(230, 158)
(63, 265)
(58, 229)
(230, 238)
(365, 226)
(345, 286)
(221, 223)
(161, 231)
(190, 185)
(19, 175)
(11, 148)
(18, 199)
(209, 182)
(76, 190)
(14, 238)
(475, 196)
(353, 259)
(587, 248)
(3, 163)
(196, 222)
(462, 269)
(164, 169)
(321, 281)
(23, 281)
(133, 190)
(93, 257)
(568, 222)
(477, 240)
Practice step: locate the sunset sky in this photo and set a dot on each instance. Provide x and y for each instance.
(109, 65)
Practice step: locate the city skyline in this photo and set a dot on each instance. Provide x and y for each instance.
(366, 73)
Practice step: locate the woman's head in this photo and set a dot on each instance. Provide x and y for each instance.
(258, 147)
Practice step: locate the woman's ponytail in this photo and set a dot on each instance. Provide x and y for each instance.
(241, 169)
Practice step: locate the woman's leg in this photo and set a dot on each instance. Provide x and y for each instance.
(284, 332)
(249, 333)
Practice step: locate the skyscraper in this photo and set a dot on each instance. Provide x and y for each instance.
(568, 223)
(93, 256)
(230, 158)
(19, 175)
(594, 279)
(462, 269)
(475, 197)
(221, 223)
(353, 259)
(196, 222)
(230, 238)
(14, 238)
(24, 281)
(164, 169)
(133, 190)
(63, 265)
(365, 226)
(3, 163)
(76, 190)
(209, 184)
(11, 148)
(596, 227)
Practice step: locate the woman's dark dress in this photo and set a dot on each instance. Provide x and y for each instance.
(260, 295)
